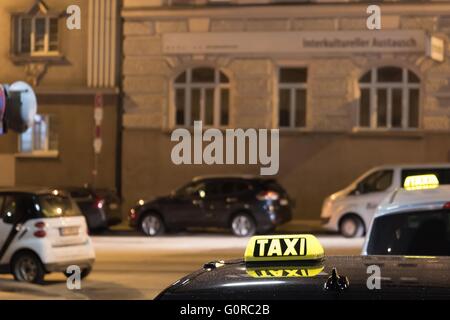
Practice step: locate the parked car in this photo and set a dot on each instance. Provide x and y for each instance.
(244, 204)
(351, 210)
(101, 207)
(411, 223)
(42, 231)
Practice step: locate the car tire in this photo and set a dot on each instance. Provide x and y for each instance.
(351, 227)
(243, 225)
(152, 225)
(84, 272)
(27, 267)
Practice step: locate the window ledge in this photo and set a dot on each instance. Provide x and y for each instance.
(388, 133)
(26, 58)
(295, 131)
(38, 155)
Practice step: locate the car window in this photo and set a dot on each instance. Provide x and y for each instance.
(9, 209)
(80, 193)
(442, 174)
(2, 199)
(242, 186)
(417, 233)
(52, 206)
(213, 188)
(13, 208)
(377, 181)
(228, 187)
(193, 189)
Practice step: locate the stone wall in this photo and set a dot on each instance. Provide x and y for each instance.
(332, 93)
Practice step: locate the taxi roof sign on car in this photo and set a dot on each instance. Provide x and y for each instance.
(280, 248)
(421, 182)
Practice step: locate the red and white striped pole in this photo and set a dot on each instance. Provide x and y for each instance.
(98, 118)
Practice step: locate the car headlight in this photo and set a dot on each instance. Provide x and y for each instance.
(326, 208)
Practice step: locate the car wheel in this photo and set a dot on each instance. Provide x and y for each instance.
(152, 225)
(351, 227)
(26, 267)
(84, 272)
(243, 225)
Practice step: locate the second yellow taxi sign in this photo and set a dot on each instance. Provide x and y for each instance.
(294, 247)
(421, 182)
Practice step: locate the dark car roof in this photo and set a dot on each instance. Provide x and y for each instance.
(31, 189)
(402, 278)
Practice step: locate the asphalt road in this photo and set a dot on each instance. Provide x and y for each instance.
(134, 267)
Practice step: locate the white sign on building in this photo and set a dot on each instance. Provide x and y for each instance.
(436, 49)
(295, 42)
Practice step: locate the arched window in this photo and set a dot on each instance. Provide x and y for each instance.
(389, 99)
(202, 94)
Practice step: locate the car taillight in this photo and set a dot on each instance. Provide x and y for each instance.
(132, 214)
(40, 225)
(447, 205)
(99, 203)
(268, 195)
(40, 233)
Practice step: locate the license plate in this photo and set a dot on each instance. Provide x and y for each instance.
(113, 206)
(284, 202)
(69, 231)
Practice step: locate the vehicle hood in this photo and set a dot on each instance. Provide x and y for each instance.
(402, 278)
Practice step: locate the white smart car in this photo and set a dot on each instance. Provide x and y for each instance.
(42, 231)
(350, 210)
(411, 223)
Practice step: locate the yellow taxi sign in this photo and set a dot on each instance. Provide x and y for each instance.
(294, 247)
(285, 272)
(420, 182)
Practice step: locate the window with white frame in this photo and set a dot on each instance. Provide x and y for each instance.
(292, 97)
(203, 94)
(389, 99)
(41, 137)
(36, 35)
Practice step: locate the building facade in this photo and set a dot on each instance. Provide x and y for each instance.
(67, 68)
(344, 97)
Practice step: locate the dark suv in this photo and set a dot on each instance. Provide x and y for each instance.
(244, 204)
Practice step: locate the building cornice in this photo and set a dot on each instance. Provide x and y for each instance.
(285, 11)
(78, 91)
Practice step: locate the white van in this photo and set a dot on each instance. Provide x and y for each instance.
(42, 231)
(351, 210)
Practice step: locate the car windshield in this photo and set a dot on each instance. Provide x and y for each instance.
(424, 233)
(52, 206)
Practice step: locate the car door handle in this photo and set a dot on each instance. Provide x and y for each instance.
(229, 200)
(196, 202)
